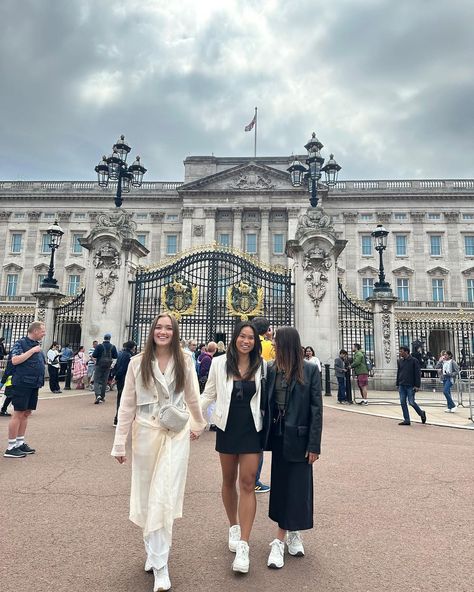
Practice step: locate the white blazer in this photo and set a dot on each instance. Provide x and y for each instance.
(219, 390)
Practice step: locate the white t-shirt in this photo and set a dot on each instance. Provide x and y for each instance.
(314, 360)
(53, 358)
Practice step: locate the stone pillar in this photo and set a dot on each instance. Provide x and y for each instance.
(237, 231)
(314, 251)
(264, 234)
(186, 242)
(113, 260)
(210, 225)
(455, 289)
(155, 244)
(46, 303)
(385, 340)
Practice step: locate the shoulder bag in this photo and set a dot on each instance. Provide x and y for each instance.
(171, 417)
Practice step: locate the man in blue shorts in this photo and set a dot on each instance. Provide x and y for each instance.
(28, 376)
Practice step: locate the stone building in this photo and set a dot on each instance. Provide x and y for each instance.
(249, 204)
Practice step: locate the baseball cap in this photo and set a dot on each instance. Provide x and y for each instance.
(107, 336)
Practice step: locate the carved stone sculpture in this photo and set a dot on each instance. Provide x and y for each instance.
(106, 262)
(316, 266)
(120, 222)
(314, 218)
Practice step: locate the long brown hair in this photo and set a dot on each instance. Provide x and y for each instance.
(232, 354)
(288, 354)
(149, 354)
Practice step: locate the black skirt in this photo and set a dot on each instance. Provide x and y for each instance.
(291, 493)
(240, 435)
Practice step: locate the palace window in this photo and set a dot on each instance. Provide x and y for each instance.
(470, 290)
(437, 287)
(79, 216)
(224, 239)
(251, 243)
(401, 245)
(76, 246)
(172, 218)
(19, 215)
(366, 217)
(41, 277)
(141, 238)
(16, 241)
(468, 216)
(469, 246)
(171, 244)
(434, 216)
(141, 216)
(45, 240)
(74, 281)
(402, 289)
(278, 244)
(367, 287)
(435, 245)
(400, 216)
(366, 245)
(12, 284)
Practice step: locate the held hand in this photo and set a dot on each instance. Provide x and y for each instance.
(121, 459)
(194, 435)
(312, 456)
(36, 349)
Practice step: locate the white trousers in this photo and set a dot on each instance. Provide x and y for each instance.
(157, 547)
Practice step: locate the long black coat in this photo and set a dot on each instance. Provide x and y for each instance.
(303, 417)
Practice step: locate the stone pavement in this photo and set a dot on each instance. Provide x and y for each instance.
(394, 511)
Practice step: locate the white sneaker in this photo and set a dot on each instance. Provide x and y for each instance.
(162, 579)
(276, 559)
(295, 544)
(241, 562)
(148, 566)
(453, 409)
(234, 537)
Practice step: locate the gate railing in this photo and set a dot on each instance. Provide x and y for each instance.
(356, 325)
(68, 320)
(14, 323)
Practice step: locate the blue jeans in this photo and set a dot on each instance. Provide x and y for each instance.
(407, 392)
(341, 388)
(447, 383)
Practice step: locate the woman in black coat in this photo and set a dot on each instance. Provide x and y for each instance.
(292, 431)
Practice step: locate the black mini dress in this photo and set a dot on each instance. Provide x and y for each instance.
(240, 435)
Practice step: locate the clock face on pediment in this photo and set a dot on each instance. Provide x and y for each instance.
(250, 177)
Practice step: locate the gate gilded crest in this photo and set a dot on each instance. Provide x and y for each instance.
(179, 298)
(244, 300)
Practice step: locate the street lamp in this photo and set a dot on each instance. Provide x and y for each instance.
(311, 175)
(380, 241)
(55, 233)
(114, 168)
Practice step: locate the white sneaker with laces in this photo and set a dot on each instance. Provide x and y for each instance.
(162, 579)
(276, 559)
(241, 562)
(294, 543)
(234, 537)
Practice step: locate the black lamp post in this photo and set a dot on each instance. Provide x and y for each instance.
(55, 235)
(380, 242)
(312, 174)
(114, 168)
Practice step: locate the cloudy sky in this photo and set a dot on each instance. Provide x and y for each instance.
(388, 85)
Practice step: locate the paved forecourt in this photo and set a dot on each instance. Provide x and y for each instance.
(393, 511)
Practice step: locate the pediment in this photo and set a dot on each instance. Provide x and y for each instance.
(438, 270)
(41, 267)
(368, 269)
(12, 267)
(74, 267)
(403, 270)
(249, 177)
(468, 271)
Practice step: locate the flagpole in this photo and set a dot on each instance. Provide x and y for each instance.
(255, 137)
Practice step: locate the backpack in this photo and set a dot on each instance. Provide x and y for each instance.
(105, 360)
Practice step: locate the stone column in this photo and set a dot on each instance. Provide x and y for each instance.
(186, 241)
(46, 303)
(265, 251)
(113, 261)
(419, 257)
(210, 225)
(453, 253)
(237, 231)
(157, 231)
(314, 251)
(31, 250)
(385, 340)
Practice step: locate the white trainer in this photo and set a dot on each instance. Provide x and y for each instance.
(453, 409)
(162, 579)
(148, 566)
(234, 537)
(241, 562)
(295, 544)
(276, 559)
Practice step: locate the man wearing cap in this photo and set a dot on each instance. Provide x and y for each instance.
(103, 356)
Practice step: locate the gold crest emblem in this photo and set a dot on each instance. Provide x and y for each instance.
(179, 298)
(244, 300)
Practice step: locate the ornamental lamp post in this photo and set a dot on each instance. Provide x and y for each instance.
(114, 168)
(380, 242)
(55, 233)
(311, 175)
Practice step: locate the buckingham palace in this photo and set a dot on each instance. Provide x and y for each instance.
(249, 206)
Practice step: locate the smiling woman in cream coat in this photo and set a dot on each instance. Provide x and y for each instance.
(234, 384)
(163, 373)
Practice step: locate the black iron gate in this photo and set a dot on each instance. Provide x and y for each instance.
(14, 324)
(356, 325)
(68, 320)
(209, 291)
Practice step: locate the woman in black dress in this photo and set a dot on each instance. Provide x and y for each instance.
(292, 431)
(234, 384)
